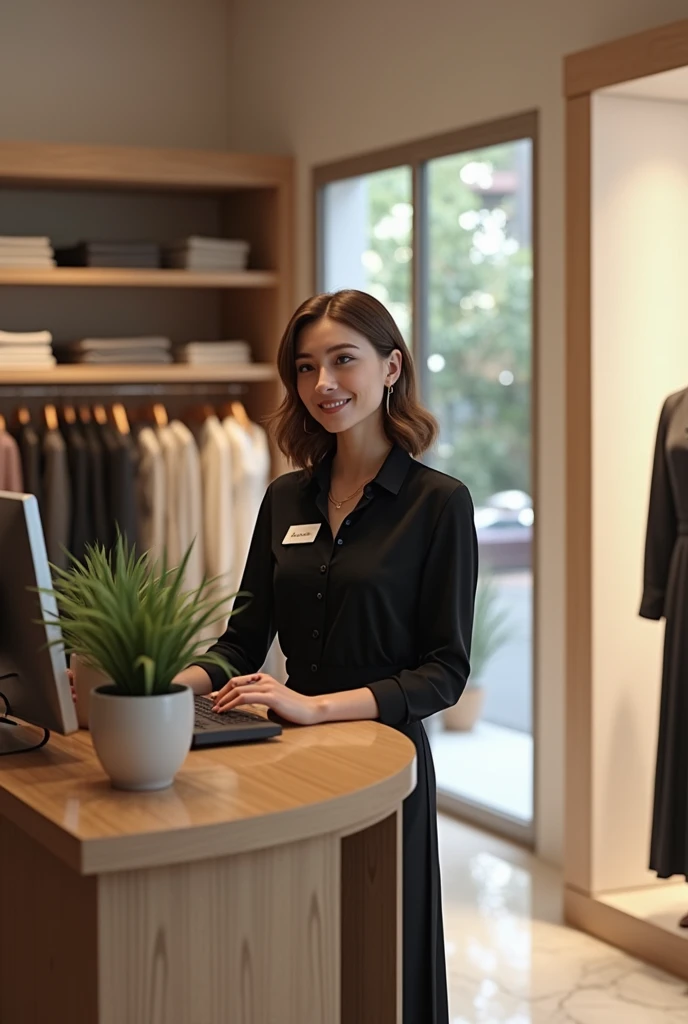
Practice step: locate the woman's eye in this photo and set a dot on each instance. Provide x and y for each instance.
(303, 368)
(344, 359)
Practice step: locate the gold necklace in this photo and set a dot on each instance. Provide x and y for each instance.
(338, 504)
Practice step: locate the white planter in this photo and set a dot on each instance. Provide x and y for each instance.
(141, 742)
(86, 678)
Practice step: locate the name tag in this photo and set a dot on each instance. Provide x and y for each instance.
(305, 534)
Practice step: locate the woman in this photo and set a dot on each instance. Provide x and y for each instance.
(374, 603)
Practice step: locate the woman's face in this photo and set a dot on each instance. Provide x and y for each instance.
(340, 377)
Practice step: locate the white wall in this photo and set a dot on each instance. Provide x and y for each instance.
(326, 80)
(640, 355)
(129, 72)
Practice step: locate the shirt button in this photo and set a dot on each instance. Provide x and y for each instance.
(340, 541)
(316, 634)
(367, 491)
(319, 597)
(314, 668)
(348, 522)
(323, 568)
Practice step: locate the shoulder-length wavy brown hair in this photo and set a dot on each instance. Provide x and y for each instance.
(299, 436)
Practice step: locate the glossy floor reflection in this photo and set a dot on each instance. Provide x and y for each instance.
(510, 958)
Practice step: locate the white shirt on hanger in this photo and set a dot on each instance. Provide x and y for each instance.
(250, 477)
(218, 515)
(151, 494)
(184, 512)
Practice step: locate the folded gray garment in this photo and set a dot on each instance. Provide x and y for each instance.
(120, 344)
(116, 357)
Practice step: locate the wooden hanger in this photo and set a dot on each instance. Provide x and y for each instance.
(50, 414)
(160, 414)
(100, 415)
(119, 415)
(3, 424)
(240, 415)
(84, 414)
(69, 413)
(23, 416)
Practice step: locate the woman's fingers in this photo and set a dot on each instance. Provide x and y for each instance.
(252, 687)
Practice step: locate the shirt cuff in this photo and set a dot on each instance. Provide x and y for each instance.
(218, 676)
(390, 701)
(652, 604)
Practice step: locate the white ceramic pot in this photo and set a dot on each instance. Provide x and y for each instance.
(141, 742)
(86, 678)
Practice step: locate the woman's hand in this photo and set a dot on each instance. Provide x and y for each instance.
(263, 689)
(70, 676)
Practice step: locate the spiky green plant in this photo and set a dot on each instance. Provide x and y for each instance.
(491, 628)
(133, 620)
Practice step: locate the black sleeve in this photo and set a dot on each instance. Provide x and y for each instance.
(251, 628)
(446, 602)
(661, 525)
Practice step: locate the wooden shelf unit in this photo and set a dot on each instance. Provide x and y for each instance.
(72, 193)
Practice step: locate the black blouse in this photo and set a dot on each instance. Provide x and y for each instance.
(386, 604)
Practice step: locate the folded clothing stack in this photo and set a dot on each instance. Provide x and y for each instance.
(16, 251)
(196, 253)
(118, 351)
(110, 254)
(26, 350)
(209, 352)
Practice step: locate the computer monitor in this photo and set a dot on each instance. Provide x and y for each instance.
(39, 692)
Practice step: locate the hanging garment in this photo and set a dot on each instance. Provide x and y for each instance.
(81, 532)
(184, 511)
(11, 475)
(57, 503)
(98, 497)
(151, 494)
(665, 593)
(218, 515)
(120, 482)
(250, 475)
(30, 449)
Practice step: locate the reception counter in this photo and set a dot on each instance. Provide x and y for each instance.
(264, 887)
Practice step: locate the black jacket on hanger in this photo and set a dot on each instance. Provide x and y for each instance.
(98, 501)
(30, 450)
(81, 531)
(120, 473)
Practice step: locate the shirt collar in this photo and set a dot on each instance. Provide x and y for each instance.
(391, 474)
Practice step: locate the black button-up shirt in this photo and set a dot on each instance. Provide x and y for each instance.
(386, 604)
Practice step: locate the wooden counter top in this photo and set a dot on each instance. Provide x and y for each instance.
(308, 782)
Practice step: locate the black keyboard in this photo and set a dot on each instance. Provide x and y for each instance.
(206, 719)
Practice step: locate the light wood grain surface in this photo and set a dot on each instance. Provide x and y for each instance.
(132, 167)
(169, 373)
(228, 800)
(116, 277)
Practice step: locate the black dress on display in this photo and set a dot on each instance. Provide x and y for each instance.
(387, 604)
(665, 593)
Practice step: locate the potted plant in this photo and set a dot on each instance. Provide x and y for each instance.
(134, 623)
(491, 629)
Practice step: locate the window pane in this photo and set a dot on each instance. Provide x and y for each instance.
(478, 384)
(367, 233)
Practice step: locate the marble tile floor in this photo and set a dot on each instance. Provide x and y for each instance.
(510, 958)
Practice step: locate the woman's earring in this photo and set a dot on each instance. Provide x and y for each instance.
(389, 393)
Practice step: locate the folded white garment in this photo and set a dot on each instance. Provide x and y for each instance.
(106, 344)
(25, 242)
(23, 361)
(28, 352)
(19, 260)
(227, 348)
(25, 338)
